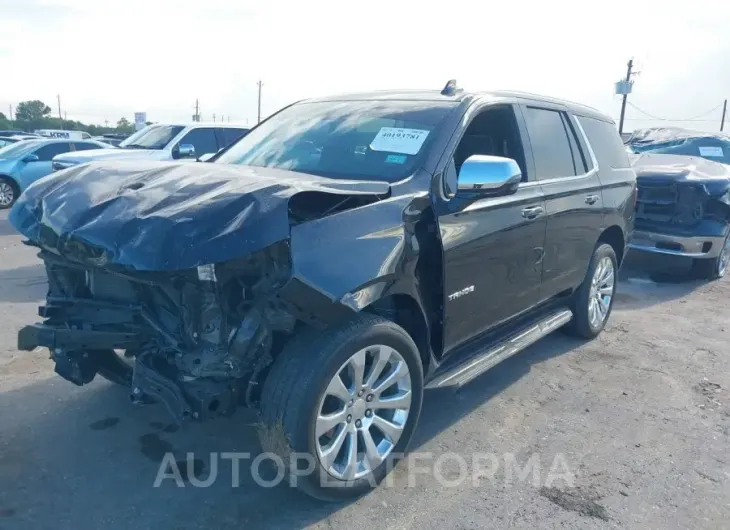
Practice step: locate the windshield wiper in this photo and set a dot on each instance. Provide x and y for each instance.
(136, 146)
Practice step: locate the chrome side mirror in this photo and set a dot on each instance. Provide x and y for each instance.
(186, 151)
(489, 175)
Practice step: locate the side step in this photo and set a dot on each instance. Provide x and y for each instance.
(476, 365)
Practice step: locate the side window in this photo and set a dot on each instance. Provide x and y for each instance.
(47, 152)
(227, 136)
(605, 142)
(203, 139)
(550, 143)
(85, 146)
(492, 132)
(579, 159)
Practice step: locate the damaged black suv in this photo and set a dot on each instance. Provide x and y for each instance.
(343, 255)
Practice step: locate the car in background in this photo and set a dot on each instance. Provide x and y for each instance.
(163, 141)
(63, 134)
(24, 162)
(683, 201)
(7, 140)
(11, 132)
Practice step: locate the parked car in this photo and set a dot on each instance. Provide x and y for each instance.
(7, 140)
(24, 162)
(344, 254)
(683, 205)
(11, 132)
(163, 142)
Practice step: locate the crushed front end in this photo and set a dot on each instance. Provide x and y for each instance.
(195, 340)
(682, 206)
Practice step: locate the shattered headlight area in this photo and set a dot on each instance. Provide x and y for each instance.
(197, 340)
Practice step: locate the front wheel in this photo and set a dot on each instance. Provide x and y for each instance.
(593, 301)
(344, 403)
(715, 268)
(8, 193)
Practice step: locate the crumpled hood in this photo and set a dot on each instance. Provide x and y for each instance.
(166, 215)
(82, 157)
(713, 175)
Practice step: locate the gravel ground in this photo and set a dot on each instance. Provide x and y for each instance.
(637, 422)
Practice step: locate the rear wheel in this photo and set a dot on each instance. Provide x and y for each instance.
(8, 193)
(715, 268)
(347, 400)
(593, 301)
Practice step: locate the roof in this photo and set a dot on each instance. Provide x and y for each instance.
(462, 96)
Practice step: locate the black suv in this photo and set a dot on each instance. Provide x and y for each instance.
(345, 254)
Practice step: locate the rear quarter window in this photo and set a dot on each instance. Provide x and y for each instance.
(605, 142)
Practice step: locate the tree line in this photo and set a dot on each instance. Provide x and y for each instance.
(33, 115)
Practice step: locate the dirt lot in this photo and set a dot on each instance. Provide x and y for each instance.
(640, 417)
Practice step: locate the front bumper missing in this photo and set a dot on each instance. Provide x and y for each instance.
(35, 335)
(674, 245)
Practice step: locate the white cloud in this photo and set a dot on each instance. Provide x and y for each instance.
(110, 59)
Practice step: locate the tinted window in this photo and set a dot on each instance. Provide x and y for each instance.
(47, 152)
(382, 140)
(578, 159)
(229, 136)
(203, 139)
(605, 142)
(85, 146)
(550, 144)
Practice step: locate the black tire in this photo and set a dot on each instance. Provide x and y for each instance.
(297, 381)
(580, 325)
(712, 269)
(5, 181)
(113, 368)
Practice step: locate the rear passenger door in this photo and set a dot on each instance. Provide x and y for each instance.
(566, 172)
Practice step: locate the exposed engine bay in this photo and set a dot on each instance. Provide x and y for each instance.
(198, 339)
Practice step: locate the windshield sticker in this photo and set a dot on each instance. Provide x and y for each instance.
(396, 159)
(712, 151)
(395, 140)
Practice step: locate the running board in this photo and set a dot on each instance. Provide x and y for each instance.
(477, 365)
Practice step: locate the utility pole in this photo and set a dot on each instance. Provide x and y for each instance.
(65, 116)
(626, 94)
(58, 96)
(196, 117)
(10, 116)
(722, 120)
(213, 117)
(260, 85)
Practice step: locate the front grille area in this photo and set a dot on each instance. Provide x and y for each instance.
(656, 201)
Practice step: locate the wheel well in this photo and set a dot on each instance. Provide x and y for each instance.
(614, 236)
(405, 311)
(11, 180)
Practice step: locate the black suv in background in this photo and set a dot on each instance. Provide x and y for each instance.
(346, 253)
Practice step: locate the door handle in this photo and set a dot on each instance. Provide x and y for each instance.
(532, 212)
(592, 199)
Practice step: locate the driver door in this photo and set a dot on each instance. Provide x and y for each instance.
(493, 245)
(32, 171)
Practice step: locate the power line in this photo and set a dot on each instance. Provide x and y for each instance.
(694, 118)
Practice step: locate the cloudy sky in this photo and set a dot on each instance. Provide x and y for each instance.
(109, 59)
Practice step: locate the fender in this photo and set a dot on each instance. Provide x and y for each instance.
(345, 262)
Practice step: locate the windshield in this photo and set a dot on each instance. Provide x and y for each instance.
(18, 149)
(152, 137)
(375, 140)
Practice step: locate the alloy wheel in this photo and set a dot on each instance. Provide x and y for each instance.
(7, 194)
(363, 412)
(602, 289)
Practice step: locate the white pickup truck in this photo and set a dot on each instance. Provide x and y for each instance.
(162, 141)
